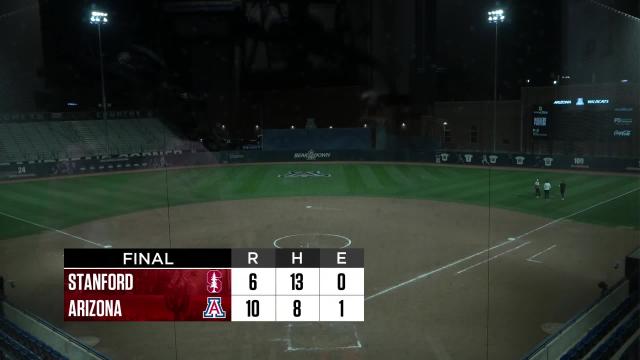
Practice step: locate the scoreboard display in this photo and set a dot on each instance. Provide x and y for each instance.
(540, 122)
(586, 119)
(214, 284)
(622, 122)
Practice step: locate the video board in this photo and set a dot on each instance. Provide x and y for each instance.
(583, 119)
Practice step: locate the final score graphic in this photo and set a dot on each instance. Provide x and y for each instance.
(205, 284)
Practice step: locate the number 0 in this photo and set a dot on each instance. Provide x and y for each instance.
(341, 281)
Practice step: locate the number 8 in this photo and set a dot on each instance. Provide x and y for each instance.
(297, 308)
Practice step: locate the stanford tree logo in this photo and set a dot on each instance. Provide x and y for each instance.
(214, 281)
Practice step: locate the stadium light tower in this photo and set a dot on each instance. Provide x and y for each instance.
(100, 18)
(495, 17)
(444, 132)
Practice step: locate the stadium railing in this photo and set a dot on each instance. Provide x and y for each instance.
(580, 326)
(28, 334)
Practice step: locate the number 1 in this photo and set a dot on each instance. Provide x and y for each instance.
(341, 308)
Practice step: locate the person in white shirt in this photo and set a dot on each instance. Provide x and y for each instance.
(546, 187)
(536, 188)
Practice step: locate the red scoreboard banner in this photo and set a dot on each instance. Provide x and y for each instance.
(143, 285)
(204, 284)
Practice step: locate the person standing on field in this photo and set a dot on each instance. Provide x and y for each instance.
(536, 187)
(547, 188)
(563, 189)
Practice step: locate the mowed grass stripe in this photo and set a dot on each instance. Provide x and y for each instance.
(106, 194)
(555, 207)
(399, 177)
(369, 178)
(235, 182)
(249, 182)
(355, 183)
(64, 202)
(457, 186)
(622, 212)
(390, 186)
(597, 194)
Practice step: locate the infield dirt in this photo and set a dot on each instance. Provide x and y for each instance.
(493, 305)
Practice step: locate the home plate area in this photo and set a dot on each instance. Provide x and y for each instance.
(322, 337)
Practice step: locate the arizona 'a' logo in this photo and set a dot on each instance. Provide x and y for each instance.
(214, 309)
(214, 281)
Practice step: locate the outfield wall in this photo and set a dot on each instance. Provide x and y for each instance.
(92, 165)
(318, 139)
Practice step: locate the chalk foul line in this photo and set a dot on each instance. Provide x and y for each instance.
(532, 258)
(492, 258)
(510, 240)
(53, 229)
(576, 213)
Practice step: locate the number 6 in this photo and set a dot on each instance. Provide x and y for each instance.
(253, 284)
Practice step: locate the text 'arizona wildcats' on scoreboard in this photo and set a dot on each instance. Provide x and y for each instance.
(214, 284)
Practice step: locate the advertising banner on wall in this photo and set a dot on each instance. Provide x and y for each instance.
(49, 168)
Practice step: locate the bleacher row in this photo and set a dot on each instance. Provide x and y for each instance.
(608, 336)
(51, 140)
(21, 345)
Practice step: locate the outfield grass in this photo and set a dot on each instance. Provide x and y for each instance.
(59, 203)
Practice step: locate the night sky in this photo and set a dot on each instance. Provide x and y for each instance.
(49, 52)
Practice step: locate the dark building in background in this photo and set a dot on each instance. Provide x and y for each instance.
(70, 50)
(601, 41)
(259, 63)
(20, 55)
(528, 43)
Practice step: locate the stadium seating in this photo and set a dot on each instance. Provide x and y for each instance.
(9, 348)
(604, 339)
(619, 336)
(50, 140)
(632, 352)
(25, 345)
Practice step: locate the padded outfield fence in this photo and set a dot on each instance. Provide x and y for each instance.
(88, 165)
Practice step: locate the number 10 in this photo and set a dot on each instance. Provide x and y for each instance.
(253, 308)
